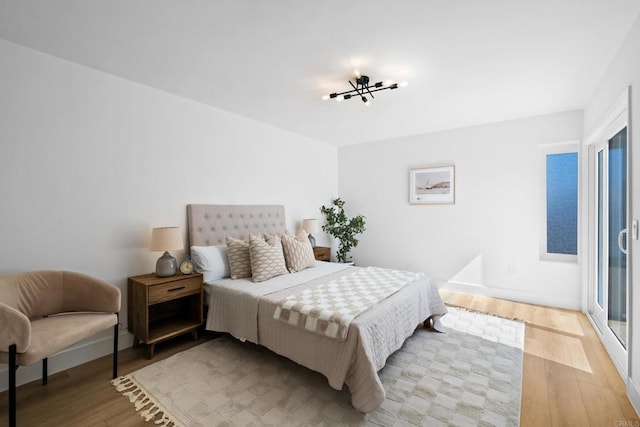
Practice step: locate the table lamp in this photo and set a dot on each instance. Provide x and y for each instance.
(311, 225)
(166, 239)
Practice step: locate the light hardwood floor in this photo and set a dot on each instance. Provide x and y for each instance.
(568, 378)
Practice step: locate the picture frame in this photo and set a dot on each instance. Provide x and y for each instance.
(432, 185)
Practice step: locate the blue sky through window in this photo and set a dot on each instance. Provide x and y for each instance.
(562, 203)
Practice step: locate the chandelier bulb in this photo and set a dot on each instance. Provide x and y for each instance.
(325, 97)
(404, 84)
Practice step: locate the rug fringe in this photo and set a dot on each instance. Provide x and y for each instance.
(470, 310)
(141, 399)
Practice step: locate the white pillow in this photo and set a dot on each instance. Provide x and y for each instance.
(212, 261)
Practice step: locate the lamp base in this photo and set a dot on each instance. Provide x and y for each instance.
(312, 240)
(166, 265)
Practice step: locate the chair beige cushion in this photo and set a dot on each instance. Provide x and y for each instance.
(51, 334)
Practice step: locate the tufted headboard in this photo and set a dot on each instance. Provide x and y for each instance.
(211, 224)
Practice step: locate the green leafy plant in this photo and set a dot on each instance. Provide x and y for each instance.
(342, 228)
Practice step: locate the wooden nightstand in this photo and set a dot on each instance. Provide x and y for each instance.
(160, 308)
(322, 253)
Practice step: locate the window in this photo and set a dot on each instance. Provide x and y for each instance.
(562, 203)
(559, 236)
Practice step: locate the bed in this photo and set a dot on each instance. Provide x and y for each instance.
(246, 309)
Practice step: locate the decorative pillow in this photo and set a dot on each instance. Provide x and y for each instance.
(239, 260)
(298, 253)
(267, 259)
(212, 261)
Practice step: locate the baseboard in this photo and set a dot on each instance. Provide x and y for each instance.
(512, 295)
(633, 392)
(75, 355)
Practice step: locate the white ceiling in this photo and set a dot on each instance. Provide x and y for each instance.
(467, 62)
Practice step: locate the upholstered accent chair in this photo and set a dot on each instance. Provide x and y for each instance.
(43, 312)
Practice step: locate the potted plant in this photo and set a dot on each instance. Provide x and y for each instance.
(342, 228)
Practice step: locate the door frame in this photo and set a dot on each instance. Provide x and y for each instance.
(594, 310)
(616, 118)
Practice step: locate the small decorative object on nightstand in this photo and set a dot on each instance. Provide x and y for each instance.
(322, 253)
(166, 239)
(311, 226)
(187, 267)
(162, 308)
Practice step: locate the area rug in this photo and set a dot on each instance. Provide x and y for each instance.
(471, 375)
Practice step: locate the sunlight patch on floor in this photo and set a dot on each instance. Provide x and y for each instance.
(557, 347)
(558, 320)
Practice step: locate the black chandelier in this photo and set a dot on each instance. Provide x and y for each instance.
(362, 88)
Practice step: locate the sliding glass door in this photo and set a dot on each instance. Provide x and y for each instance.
(617, 213)
(608, 172)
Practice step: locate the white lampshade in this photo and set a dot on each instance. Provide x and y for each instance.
(166, 239)
(311, 225)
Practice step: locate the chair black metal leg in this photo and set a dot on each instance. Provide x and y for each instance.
(13, 366)
(45, 371)
(115, 348)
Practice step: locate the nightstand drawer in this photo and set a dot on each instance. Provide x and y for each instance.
(179, 288)
(322, 253)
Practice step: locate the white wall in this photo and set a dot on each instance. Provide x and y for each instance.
(89, 163)
(624, 71)
(488, 239)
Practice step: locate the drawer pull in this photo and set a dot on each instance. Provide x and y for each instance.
(176, 289)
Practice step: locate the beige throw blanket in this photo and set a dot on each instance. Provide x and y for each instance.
(328, 309)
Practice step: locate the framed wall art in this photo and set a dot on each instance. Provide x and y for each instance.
(432, 185)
